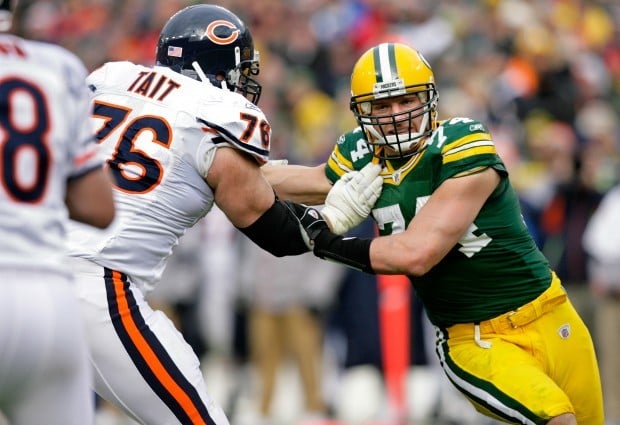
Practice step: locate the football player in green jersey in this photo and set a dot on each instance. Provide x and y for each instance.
(507, 336)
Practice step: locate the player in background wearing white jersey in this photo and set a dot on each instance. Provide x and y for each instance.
(49, 169)
(178, 137)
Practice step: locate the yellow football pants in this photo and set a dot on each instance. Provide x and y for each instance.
(526, 366)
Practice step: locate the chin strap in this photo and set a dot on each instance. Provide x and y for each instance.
(200, 73)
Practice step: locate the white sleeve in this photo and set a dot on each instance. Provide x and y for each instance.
(204, 156)
(234, 121)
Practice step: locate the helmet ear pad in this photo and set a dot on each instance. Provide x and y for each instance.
(217, 42)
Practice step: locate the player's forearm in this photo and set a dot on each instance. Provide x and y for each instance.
(396, 254)
(299, 183)
(89, 199)
(377, 256)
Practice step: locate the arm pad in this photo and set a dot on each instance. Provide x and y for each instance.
(277, 232)
(352, 252)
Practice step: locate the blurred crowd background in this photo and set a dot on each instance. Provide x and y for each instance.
(544, 75)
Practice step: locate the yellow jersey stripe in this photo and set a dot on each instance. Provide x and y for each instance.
(469, 146)
(464, 140)
(338, 163)
(473, 149)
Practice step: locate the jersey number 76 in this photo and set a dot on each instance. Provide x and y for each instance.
(126, 158)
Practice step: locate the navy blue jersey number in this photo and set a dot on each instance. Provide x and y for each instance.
(17, 138)
(134, 171)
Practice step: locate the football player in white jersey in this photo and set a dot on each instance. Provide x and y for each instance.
(178, 137)
(49, 170)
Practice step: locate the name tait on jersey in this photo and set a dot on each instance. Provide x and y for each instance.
(151, 84)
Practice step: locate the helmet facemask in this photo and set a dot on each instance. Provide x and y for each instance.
(237, 79)
(396, 131)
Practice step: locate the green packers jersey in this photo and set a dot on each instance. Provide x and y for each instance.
(496, 266)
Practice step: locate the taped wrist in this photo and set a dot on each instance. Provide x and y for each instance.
(352, 252)
(277, 232)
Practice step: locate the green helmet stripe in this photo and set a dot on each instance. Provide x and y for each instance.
(385, 62)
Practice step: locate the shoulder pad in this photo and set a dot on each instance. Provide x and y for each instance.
(240, 124)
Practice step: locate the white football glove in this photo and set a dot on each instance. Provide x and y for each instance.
(352, 197)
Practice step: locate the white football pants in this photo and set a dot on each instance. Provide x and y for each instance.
(44, 372)
(141, 362)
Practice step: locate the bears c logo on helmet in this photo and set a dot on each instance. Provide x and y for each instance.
(211, 35)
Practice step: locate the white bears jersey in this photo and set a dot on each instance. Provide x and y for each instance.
(159, 130)
(45, 139)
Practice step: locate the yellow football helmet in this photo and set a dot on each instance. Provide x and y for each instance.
(391, 70)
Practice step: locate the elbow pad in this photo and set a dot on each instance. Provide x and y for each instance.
(277, 232)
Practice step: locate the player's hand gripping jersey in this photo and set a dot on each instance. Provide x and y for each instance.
(159, 131)
(43, 142)
(497, 252)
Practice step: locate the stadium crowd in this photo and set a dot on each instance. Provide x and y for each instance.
(543, 74)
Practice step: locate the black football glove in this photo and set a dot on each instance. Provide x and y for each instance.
(352, 252)
(311, 222)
